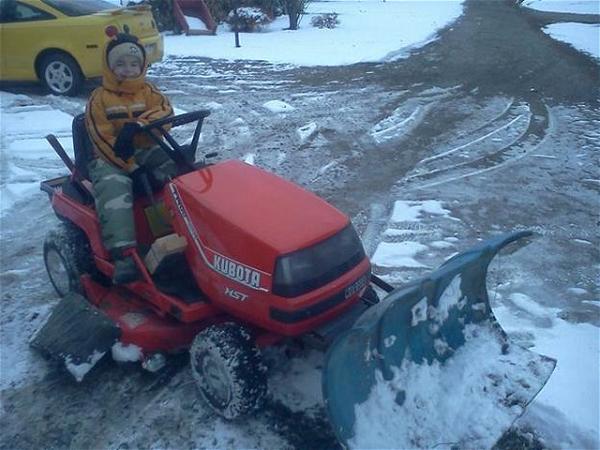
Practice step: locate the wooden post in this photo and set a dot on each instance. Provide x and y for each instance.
(237, 27)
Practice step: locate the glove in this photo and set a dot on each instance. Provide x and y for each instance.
(123, 147)
(138, 176)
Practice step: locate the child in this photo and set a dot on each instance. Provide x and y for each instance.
(114, 113)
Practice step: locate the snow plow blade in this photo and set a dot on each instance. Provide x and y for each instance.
(429, 366)
(76, 334)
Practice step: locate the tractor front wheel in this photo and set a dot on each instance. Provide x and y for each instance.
(227, 367)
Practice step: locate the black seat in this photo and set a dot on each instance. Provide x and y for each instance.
(82, 146)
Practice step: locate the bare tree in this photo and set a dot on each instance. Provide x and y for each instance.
(295, 9)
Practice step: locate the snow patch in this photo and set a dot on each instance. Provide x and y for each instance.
(577, 291)
(300, 385)
(38, 148)
(583, 37)
(400, 254)
(195, 24)
(572, 394)
(441, 244)
(15, 192)
(214, 106)
(530, 306)
(277, 106)
(393, 232)
(307, 131)
(126, 352)
(419, 312)
(411, 211)
(569, 6)
(466, 402)
(35, 124)
(80, 370)
(249, 158)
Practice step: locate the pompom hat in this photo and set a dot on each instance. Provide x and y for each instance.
(124, 45)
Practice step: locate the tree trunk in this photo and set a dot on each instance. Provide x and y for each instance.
(293, 16)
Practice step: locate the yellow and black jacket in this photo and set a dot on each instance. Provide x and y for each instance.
(117, 102)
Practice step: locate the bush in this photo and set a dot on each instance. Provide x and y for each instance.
(247, 19)
(328, 20)
(219, 9)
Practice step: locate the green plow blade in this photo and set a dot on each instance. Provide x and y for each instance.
(429, 366)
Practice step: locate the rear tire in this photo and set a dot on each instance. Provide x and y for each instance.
(67, 256)
(227, 367)
(61, 74)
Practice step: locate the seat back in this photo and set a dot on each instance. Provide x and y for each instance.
(82, 146)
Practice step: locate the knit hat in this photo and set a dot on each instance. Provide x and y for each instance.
(122, 45)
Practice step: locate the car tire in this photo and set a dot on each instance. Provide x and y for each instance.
(61, 74)
(227, 367)
(67, 256)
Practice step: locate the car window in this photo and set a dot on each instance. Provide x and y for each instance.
(14, 11)
(81, 7)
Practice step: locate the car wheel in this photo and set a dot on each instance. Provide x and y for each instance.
(227, 367)
(66, 257)
(61, 74)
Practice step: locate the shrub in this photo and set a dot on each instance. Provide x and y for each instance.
(220, 8)
(328, 20)
(247, 19)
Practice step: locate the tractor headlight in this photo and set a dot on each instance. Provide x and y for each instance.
(310, 268)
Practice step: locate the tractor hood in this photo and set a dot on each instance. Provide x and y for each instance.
(250, 215)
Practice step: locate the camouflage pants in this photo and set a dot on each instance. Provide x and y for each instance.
(113, 194)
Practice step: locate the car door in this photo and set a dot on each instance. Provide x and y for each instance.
(22, 34)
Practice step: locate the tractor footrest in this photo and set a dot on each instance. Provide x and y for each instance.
(174, 277)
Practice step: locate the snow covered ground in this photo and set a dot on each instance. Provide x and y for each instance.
(368, 31)
(565, 413)
(584, 37)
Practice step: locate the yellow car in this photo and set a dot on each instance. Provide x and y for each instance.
(60, 42)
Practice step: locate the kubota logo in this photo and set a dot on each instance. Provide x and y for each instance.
(233, 270)
(236, 271)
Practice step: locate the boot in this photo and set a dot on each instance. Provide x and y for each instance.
(126, 270)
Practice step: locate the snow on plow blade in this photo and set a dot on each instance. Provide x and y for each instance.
(429, 366)
(77, 334)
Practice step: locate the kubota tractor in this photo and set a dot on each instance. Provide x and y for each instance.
(249, 259)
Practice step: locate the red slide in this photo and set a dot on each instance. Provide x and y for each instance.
(194, 8)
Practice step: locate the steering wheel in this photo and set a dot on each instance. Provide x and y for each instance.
(182, 155)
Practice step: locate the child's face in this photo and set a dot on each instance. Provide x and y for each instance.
(127, 67)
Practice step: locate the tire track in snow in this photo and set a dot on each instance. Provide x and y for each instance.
(399, 124)
(468, 144)
(539, 126)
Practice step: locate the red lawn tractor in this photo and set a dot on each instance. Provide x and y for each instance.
(261, 260)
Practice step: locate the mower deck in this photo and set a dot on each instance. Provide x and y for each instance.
(145, 325)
